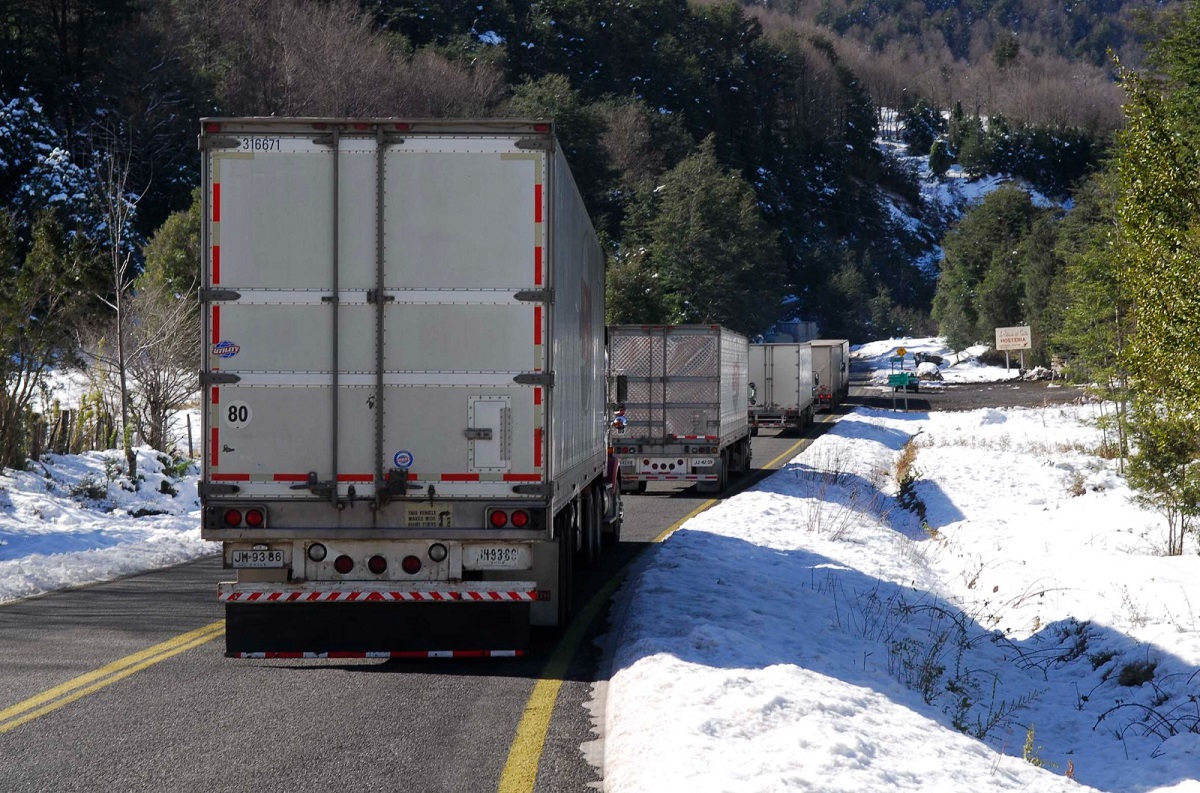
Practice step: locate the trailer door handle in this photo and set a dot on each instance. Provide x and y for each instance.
(478, 433)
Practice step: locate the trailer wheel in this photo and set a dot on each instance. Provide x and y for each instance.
(614, 528)
(564, 529)
(589, 529)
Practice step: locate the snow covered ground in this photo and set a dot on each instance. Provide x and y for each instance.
(962, 366)
(812, 634)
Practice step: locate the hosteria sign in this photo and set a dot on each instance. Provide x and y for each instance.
(1018, 338)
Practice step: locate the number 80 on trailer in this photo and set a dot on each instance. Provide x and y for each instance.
(236, 414)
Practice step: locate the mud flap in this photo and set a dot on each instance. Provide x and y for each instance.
(375, 627)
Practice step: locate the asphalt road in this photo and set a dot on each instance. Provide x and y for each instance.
(123, 687)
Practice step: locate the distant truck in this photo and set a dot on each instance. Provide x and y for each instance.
(782, 394)
(682, 391)
(831, 371)
(403, 384)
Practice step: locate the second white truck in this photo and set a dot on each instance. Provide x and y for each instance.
(681, 393)
(782, 394)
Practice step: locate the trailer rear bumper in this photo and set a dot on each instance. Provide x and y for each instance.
(384, 619)
(376, 630)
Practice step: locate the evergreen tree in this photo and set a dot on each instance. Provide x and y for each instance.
(717, 259)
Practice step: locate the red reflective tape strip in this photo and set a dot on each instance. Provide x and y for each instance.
(290, 477)
(522, 477)
(537, 203)
(356, 477)
(212, 450)
(537, 447)
(230, 477)
(216, 325)
(537, 396)
(537, 265)
(460, 477)
(537, 325)
(216, 264)
(216, 395)
(216, 202)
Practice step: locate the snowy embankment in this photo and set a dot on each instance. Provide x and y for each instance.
(76, 519)
(1015, 628)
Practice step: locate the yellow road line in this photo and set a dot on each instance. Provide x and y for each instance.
(520, 770)
(525, 754)
(54, 698)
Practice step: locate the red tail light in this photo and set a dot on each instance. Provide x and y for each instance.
(520, 519)
(212, 126)
(411, 565)
(255, 518)
(343, 564)
(498, 519)
(233, 517)
(377, 565)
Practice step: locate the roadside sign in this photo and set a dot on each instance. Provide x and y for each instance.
(901, 352)
(1017, 338)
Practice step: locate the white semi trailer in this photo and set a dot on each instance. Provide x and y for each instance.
(403, 384)
(782, 394)
(683, 390)
(831, 371)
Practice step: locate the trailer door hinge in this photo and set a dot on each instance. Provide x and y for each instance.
(208, 295)
(218, 378)
(315, 486)
(535, 296)
(543, 144)
(216, 489)
(543, 490)
(397, 483)
(544, 379)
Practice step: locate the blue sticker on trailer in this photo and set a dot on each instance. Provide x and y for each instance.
(225, 349)
(403, 459)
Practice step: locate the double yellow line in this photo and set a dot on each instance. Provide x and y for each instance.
(66, 693)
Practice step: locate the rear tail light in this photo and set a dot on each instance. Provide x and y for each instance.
(520, 518)
(498, 518)
(411, 565)
(343, 564)
(255, 517)
(233, 517)
(212, 126)
(438, 552)
(377, 564)
(317, 552)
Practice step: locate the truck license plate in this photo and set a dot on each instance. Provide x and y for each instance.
(497, 557)
(257, 559)
(628, 462)
(703, 462)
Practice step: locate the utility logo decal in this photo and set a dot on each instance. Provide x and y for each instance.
(225, 349)
(403, 459)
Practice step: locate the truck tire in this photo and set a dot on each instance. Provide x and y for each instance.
(589, 528)
(564, 530)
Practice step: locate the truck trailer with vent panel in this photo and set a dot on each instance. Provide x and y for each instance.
(681, 396)
(403, 380)
(831, 372)
(782, 394)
